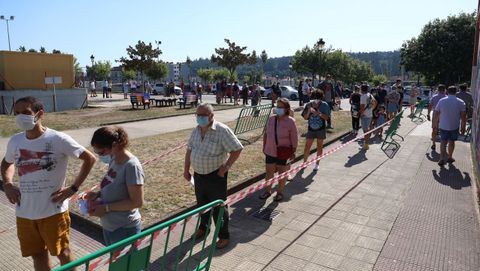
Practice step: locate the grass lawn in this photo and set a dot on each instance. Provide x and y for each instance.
(93, 117)
(165, 188)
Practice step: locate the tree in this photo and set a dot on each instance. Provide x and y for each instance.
(189, 66)
(205, 74)
(222, 74)
(22, 49)
(264, 57)
(442, 53)
(77, 70)
(158, 70)
(311, 60)
(232, 57)
(141, 57)
(378, 79)
(31, 50)
(43, 50)
(128, 74)
(55, 51)
(100, 69)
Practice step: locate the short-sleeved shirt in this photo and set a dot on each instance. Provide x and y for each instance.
(367, 99)
(286, 132)
(114, 188)
(382, 93)
(209, 153)
(316, 123)
(437, 97)
(467, 98)
(42, 166)
(328, 89)
(450, 109)
(393, 97)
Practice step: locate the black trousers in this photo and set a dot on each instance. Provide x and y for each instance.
(210, 187)
(355, 123)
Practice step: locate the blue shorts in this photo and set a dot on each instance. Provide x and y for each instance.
(392, 108)
(446, 135)
(365, 122)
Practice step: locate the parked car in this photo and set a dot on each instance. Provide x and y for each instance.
(287, 92)
(159, 89)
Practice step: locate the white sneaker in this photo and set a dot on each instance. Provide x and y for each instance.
(316, 167)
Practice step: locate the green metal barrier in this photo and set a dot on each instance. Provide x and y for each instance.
(252, 117)
(134, 253)
(418, 114)
(391, 132)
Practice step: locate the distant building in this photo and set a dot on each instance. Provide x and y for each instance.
(116, 74)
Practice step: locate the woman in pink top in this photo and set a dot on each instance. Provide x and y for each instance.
(287, 136)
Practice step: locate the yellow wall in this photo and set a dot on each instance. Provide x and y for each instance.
(28, 70)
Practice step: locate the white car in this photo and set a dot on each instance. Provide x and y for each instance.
(287, 92)
(159, 89)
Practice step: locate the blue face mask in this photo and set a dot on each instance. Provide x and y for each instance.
(202, 121)
(280, 111)
(105, 158)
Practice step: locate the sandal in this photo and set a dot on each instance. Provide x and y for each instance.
(278, 197)
(265, 195)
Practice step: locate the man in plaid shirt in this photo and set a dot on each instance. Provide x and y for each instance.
(211, 151)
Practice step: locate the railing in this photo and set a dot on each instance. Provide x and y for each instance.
(252, 117)
(134, 253)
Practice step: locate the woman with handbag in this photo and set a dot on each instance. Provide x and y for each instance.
(279, 145)
(317, 113)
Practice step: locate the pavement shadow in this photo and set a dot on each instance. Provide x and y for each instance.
(452, 177)
(432, 156)
(347, 138)
(244, 227)
(356, 159)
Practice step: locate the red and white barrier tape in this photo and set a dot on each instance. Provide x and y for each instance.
(232, 199)
(81, 194)
(270, 182)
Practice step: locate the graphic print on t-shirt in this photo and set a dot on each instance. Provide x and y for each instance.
(32, 161)
(108, 178)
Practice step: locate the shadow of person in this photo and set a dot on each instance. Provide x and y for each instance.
(432, 156)
(356, 159)
(452, 177)
(347, 138)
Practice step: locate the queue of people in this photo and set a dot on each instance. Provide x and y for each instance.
(41, 153)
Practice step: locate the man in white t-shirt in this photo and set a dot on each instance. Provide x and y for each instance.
(367, 103)
(40, 156)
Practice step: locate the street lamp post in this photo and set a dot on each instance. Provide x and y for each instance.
(92, 58)
(6, 18)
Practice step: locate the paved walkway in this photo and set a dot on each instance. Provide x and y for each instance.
(360, 211)
(406, 214)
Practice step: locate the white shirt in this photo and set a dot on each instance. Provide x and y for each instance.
(92, 85)
(105, 84)
(42, 166)
(367, 99)
(209, 153)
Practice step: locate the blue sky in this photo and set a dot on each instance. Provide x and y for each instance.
(105, 28)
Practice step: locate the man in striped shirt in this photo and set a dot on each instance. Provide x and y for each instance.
(211, 152)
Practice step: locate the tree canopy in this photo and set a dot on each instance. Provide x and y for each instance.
(443, 51)
(232, 57)
(141, 57)
(318, 60)
(157, 71)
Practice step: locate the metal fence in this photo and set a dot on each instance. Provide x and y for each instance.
(174, 252)
(252, 117)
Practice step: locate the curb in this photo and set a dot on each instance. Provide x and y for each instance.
(161, 117)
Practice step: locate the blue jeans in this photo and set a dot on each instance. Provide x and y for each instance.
(112, 237)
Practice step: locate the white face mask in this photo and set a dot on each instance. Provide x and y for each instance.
(25, 122)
